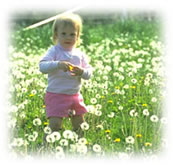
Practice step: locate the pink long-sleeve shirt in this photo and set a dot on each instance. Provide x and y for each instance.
(58, 80)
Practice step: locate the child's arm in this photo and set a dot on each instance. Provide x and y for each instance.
(48, 64)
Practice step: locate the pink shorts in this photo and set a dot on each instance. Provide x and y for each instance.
(62, 105)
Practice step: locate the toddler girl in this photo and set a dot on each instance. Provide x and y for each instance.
(65, 66)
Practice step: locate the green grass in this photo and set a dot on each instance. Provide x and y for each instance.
(128, 78)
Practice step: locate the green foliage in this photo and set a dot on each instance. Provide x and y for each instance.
(127, 86)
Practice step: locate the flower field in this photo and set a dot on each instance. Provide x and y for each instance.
(125, 96)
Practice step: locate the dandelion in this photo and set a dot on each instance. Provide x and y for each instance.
(84, 126)
(93, 101)
(148, 144)
(60, 155)
(120, 107)
(82, 149)
(130, 140)
(50, 138)
(59, 149)
(134, 81)
(98, 113)
(132, 112)
(70, 68)
(108, 131)
(111, 115)
(154, 99)
(146, 112)
(154, 118)
(163, 120)
(98, 106)
(56, 135)
(35, 134)
(144, 105)
(96, 148)
(17, 142)
(126, 86)
(138, 135)
(68, 134)
(31, 138)
(47, 130)
(117, 140)
(110, 101)
(37, 121)
(63, 142)
(82, 141)
(100, 126)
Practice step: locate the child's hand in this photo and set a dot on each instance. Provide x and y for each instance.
(64, 65)
(75, 70)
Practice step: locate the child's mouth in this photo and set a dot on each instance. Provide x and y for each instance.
(67, 42)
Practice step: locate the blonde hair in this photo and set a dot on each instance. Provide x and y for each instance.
(67, 19)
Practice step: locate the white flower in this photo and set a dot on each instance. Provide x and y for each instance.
(31, 138)
(111, 115)
(82, 141)
(63, 142)
(146, 112)
(37, 121)
(126, 86)
(100, 126)
(120, 107)
(91, 109)
(59, 149)
(93, 101)
(47, 130)
(154, 118)
(96, 148)
(60, 155)
(68, 134)
(50, 138)
(134, 81)
(154, 99)
(56, 135)
(130, 140)
(84, 126)
(81, 148)
(98, 106)
(163, 120)
(132, 112)
(17, 142)
(98, 113)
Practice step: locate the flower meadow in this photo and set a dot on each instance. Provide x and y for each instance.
(124, 97)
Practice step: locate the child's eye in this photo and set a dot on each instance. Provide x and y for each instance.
(63, 33)
(73, 34)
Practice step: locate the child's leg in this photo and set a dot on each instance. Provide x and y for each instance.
(55, 123)
(76, 122)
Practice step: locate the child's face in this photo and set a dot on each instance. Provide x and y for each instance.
(67, 36)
